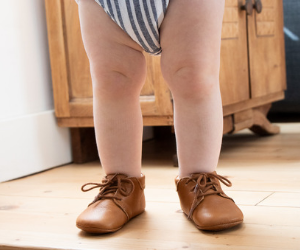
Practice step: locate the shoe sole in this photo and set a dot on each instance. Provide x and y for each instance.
(96, 230)
(218, 227)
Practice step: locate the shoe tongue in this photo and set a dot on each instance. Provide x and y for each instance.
(197, 175)
(110, 176)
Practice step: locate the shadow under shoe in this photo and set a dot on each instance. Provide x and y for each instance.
(120, 199)
(204, 202)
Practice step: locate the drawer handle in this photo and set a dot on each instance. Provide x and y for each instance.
(258, 6)
(248, 7)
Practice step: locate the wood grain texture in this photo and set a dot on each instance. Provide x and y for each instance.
(58, 56)
(264, 172)
(234, 75)
(162, 104)
(241, 88)
(80, 83)
(266, 49)
(84, 147)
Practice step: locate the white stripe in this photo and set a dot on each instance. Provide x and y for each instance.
(147, 25)
(106, 9)
(115, 12)
(160, 12)
(139, 29)
(105, 6)
(126, 21)
(151, 12)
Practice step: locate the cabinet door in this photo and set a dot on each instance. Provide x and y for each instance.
(234, 75)
(71, 78)
(266, 49)
(155, 97)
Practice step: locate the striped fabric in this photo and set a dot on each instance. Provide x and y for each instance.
(140, 19)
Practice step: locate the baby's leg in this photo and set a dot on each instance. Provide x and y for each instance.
(190, 63)
(118, 70)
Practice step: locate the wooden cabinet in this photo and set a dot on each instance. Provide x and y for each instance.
(252, 73)
(252, 70)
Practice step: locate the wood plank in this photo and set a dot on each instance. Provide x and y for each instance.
(166, 195)
(282, 199)
(257, 232)
(163, 98)
(227, 124)
(58, 58)
(84, 147)
(234, 75)
(78, 67)
(251, 103)
(80, 109)
(37, 209)
(266, 49)
(83, 107)
(89, 122)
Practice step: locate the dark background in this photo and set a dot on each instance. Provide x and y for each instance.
(290, 106)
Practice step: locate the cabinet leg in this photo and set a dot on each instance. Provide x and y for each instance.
(175, 160)
(261, 125)
(84, 147)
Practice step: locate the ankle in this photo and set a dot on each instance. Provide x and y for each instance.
(128, 173)
(183, 174)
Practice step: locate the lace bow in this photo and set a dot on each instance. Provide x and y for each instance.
(109, 187)
(205, 185)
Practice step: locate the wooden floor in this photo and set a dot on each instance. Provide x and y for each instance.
(39, 211)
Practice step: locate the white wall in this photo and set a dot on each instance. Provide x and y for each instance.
(30, 140)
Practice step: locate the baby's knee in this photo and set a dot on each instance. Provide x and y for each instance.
(191, 80)
(113, 82)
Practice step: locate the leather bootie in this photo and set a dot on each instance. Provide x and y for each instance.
(204, 202)
(120, 199)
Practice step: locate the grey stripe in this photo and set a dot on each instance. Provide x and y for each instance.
(142, 25)
(154, 10)
(143, 28)
(149, 19)
(101, 3)
(134, 27)
(119, 15)
(164, 3)
(110, 9)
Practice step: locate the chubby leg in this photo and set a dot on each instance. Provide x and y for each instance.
(118, 70)
(190, 63)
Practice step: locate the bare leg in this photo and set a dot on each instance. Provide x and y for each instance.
(116, 88)
(190, 63)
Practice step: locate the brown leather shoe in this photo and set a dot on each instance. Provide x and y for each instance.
(204, 202)
(120, 199)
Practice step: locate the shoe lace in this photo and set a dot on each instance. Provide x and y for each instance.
(108, 187)
(205, 185)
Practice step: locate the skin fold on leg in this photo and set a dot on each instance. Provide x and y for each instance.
(118, 70)
(190, 64)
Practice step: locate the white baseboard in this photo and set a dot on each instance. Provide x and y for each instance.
(32, 143)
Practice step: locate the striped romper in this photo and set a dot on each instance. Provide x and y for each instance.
(140, 19)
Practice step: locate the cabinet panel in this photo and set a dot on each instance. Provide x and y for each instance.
(159, 100)
(266, 49)
(234, 75)
(71, 78)
(78, 64)
(58, 57)
(155, 97)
